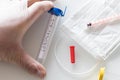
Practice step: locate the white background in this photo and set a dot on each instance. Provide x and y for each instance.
(32, 42)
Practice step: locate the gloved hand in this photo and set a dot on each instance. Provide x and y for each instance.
(16, 17)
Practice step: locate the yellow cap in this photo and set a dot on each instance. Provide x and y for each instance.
(101, 73)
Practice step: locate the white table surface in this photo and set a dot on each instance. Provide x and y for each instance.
(32, 42)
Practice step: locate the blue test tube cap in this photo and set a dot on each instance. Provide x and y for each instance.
(56, 11)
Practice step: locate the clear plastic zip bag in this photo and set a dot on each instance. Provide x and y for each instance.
(85, 65)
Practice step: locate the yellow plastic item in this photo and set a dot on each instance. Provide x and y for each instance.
(101, 73)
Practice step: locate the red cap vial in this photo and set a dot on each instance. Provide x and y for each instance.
(72, 54)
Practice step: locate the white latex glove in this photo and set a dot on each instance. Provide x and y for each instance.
(16, 17)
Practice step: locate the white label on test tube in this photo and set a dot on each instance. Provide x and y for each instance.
(52, 24)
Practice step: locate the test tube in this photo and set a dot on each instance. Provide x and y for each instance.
(52, 24)
(106, 75)
(101, 73)
(103, 21)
